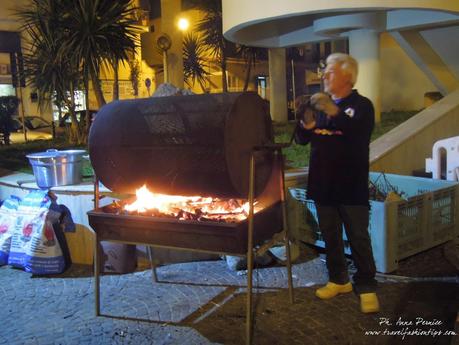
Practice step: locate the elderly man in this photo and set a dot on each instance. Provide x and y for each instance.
(339, 134)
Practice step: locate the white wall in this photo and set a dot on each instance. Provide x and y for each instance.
(126, 90)
(9, 23)
(403, 84)
(406, 147)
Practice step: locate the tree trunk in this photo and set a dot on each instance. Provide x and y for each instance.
(75, 130)
(224, 81)
(87, 123)
(247, 74)
(116, 86)
(97, 90)
(59, 109)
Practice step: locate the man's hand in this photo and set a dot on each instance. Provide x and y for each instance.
(308, 120)
(308, 125)
(305, 112)
(322, 102)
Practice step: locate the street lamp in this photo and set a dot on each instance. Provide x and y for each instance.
(183, 24)
(164, 43)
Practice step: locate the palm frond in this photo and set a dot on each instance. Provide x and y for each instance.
(194, 63)
(211, 28)
(45, 68)
(99, 33)
(70, 41)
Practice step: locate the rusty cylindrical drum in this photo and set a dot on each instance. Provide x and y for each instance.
(182, 145)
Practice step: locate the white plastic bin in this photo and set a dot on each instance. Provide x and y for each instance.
(445, 159)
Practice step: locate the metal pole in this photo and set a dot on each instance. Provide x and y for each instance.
(293, 87)
(96, 275)
(320, 74)
(166, 74)
(153, 264)
(249, 316)
(96, 192)
(19, 71)
(96, 251)
(285, 225)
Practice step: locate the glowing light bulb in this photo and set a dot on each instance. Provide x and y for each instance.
(183, 24)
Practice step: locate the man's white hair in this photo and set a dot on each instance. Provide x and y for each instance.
(348, 64)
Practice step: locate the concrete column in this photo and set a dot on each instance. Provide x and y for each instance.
(364, 46)
(277, 85)
(170, 11)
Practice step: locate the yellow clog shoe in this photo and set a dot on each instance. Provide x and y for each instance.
(331, 290)
(369, 303)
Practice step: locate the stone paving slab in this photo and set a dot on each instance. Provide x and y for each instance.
(204, 303)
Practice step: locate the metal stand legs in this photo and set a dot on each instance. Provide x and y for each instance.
(249, 315)
(286, 235)
(153, 264)
(96, 276)
(250, 249)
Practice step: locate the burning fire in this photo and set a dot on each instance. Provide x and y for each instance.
(189, 208)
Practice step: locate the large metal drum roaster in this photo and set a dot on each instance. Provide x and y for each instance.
(183, 145)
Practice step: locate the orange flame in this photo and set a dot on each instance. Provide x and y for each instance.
(174, 205)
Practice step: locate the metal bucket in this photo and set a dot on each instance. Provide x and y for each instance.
(57, 168)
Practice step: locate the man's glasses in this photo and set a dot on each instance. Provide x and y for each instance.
(321, 69)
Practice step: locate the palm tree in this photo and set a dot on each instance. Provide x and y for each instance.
(211, 28)
(100, 32)
(116, 85)
(134, 76)
(193, 62)
(251, 56)
(76, 38)
(47, 69)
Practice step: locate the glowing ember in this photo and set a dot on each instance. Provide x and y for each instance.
(189, 207)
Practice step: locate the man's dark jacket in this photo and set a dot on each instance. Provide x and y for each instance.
(339, 161)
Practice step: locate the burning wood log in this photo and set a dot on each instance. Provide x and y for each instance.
(198, 208)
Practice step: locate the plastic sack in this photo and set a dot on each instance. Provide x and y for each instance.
(35, 201)
(7, 221)
(34, 246)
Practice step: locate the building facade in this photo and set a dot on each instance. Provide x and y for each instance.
(404, 48)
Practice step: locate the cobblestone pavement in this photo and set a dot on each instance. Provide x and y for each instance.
(204, 303)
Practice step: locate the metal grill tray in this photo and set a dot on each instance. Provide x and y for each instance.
(220, 237)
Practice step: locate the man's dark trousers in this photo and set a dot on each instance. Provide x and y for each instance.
(355, 219)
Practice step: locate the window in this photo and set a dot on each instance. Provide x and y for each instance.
(7, 90)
